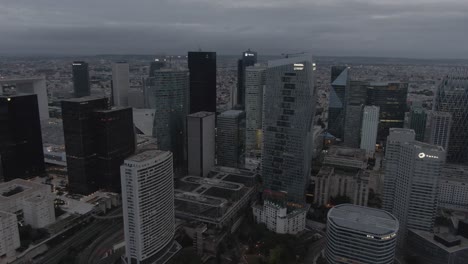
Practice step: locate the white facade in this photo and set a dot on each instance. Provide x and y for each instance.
(120, 83)
(9, 234)
(35, 86)
(201, 143)
(330, 183)
(453, 187)
(357, 234)
(34, 200)
(148, 204)
(143, 120)
(370, 123)
(418, 171)
(254, 86)
(438, 127)
(277, 218)
(395, 139)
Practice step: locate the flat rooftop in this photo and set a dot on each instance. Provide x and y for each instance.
(364, 219)
(201, 114)
(231, 113)
(454, 172)
(429, 237)
(84, 99)
(17, 188)
(146, 154)
(21, 80)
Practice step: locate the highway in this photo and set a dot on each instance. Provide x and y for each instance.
(106, 240)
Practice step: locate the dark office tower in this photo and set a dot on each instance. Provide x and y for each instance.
(391, 98)
(337, 105)
(230, 138)
(417, 118)
(80, 142)
(288, 114)
(202, 67)
(156, 65)
(20, 137)
(81, 79)
(355, 102)
(115, 141)
(249, 58)
(452, 97)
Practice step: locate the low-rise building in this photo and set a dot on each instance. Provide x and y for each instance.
(441, 248)
(33, 203)
(453, 187)
(281, 218)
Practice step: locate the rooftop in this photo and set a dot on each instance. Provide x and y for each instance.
(364, 219)
(231, 113)
(146, 154)
(289, 60)
(84, 99)
(455, 172)
(428, 236)
(17, 188)
(201, 114)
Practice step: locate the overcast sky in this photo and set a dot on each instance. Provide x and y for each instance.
(390, 28)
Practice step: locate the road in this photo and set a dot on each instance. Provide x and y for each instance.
(105, 242)
(85, 235)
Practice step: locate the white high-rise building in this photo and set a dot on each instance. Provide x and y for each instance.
(255, 80)
(438, 127)
(370, 124)
(392, 152)
(453, 190)
(200, 143)
(418, 168)
(9, 234)
(148, 205)
(288, 115)
(120, 83)
(357, 234)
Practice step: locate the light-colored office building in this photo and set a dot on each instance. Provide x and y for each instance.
(255, 80)
(9, 234)
(35, 86)
(418, 171)
(143, 119)
(230, 139)
(357, 234)
(148, 205)
(370, 124)
(201, 143)
(136, 98)
(453, 189)
(288, 115)
(438, 127)
(33, 202)
(392, 152)
(120, 83)
(280, 218)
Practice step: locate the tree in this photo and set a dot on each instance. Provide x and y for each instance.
(340, 199)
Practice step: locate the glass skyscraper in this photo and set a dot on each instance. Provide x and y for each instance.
(167, 93)
(452, 96)
(338, 95)
(202, 67)
(391, 98)
(289, 109)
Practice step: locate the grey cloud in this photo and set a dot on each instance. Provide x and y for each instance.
(412, 28)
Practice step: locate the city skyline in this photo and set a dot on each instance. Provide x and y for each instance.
(372, 28)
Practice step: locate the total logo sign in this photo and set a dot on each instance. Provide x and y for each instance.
(423, 155)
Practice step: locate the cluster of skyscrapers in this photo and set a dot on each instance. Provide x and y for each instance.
(273, 117)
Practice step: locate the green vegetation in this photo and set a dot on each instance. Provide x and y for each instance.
(374, 199)
(340, 199)
(186, 256)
